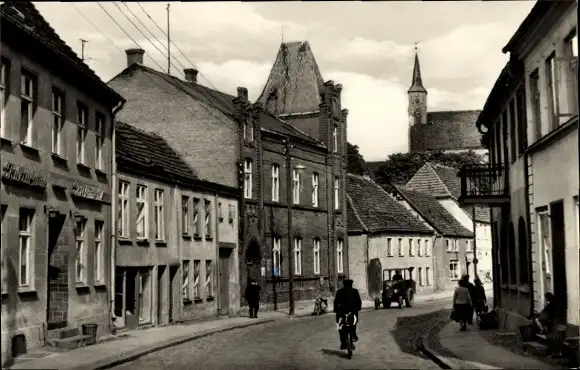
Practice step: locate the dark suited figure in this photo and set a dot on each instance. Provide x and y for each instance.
(253, 297)
(347, 300)
(397, 276)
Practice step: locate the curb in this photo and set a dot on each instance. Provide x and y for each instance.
(423, 347)
(134, 355)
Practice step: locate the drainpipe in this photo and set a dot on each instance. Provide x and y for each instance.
(217, 251)
(528, 234)
(113, 261)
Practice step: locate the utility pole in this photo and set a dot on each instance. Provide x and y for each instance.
(289, 201)
(274, 272)
(83, 42)
(474, 242)
(168, 43)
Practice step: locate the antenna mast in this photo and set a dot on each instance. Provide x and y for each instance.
(83, 42)
(168, 43)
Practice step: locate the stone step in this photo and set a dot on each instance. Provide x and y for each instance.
(71, 342)
(63, 333)
(536, 348)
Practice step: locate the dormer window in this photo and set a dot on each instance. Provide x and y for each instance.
(335, 110)
(335, 138)
(248, 130)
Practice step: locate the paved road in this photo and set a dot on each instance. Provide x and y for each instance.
(387, 340)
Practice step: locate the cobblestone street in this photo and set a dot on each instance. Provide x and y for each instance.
(387, 340)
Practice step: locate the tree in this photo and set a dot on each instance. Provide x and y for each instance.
(356, 162)
(399, 168)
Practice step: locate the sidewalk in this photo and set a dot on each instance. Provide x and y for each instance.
(471, 351)
(131, 345)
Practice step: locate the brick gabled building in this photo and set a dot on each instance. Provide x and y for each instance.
(229, 140)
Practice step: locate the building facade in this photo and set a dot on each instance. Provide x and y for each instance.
(57, 163)
(176, 251)
(384, 237)
(444, 183)
(452, 243)
(531, 119)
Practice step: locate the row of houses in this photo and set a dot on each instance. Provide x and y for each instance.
(530, 125)
(150, 199)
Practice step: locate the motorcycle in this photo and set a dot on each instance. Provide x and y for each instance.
(320, 306)
(345, 325)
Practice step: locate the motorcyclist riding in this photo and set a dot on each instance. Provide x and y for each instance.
(347, 300)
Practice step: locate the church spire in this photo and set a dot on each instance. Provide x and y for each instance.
(417, 82)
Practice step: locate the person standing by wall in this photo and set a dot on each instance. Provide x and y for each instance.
(253, 297)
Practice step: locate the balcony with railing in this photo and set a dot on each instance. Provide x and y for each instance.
(484, 184)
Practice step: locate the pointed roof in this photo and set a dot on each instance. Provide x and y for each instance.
(372, 209)
(295, 82)
(433, 212)
(443, 181)
(24, 16)
(417, 82)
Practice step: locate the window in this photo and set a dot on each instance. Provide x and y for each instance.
(336, 193)
(80, 248)
(159, 216)
(552, 88)
(99, 141)
(25, 231)
(545, 242)
(4, 93)
(57, 120)
(208, 219)
(427, 276)
(196, 277)
(448, 246)
(497, 139)
(571, 51)
(296, 187)
(123, 212)
(411, 247)
(389, 247)
(400, 247)
(315, 178)
(2, 250)
(419, 248)
(297, 256)
(196, 220)
(185, 281)
(141, 204)
(469, 246)
(276, 257)
(513, 125)
(27, 107)
(340, 257)
(427, 247)
(455, 245)
(536, 103)
(316, 256)
(185, 222)
(220, 212)
(275, 183)
(208, 278)
(99, 275)
(420, 276)
(521, 120)
(232, 213)
(248, 178)
(248, 129)
(454, 269)
(82, 122)
(335, 138)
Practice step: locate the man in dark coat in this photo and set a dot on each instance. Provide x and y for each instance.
(253, 297)
(347, 300)
(472, 292)
(397, 276)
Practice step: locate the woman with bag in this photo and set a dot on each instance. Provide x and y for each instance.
(462, 305)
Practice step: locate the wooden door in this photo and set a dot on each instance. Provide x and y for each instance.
(559, 258)
(224, 280)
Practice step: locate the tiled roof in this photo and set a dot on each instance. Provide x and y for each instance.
(137, 149)
(434, 213)
(24, 15)
(439, 181)
(219, 100)
(295, 82)
(447, 130)
(372, 209)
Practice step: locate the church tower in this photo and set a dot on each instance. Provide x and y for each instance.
(417, 96)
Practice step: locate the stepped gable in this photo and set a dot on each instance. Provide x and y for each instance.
(434, 213)
(447, 130)
(295, 82)
(372, 209)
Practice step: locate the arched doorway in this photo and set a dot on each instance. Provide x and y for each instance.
(253, 258)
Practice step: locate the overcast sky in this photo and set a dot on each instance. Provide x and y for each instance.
(366, 46)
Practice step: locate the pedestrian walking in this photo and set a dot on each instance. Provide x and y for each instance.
(462, 304)
(253, 297)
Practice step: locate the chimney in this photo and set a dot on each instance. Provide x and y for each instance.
(190, 75)
(243, 93)
(366, 175)
(134, 56)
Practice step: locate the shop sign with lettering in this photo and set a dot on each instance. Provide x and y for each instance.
(87, 191)
(23, 175)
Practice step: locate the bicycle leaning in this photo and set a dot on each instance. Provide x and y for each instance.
(345, 325)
